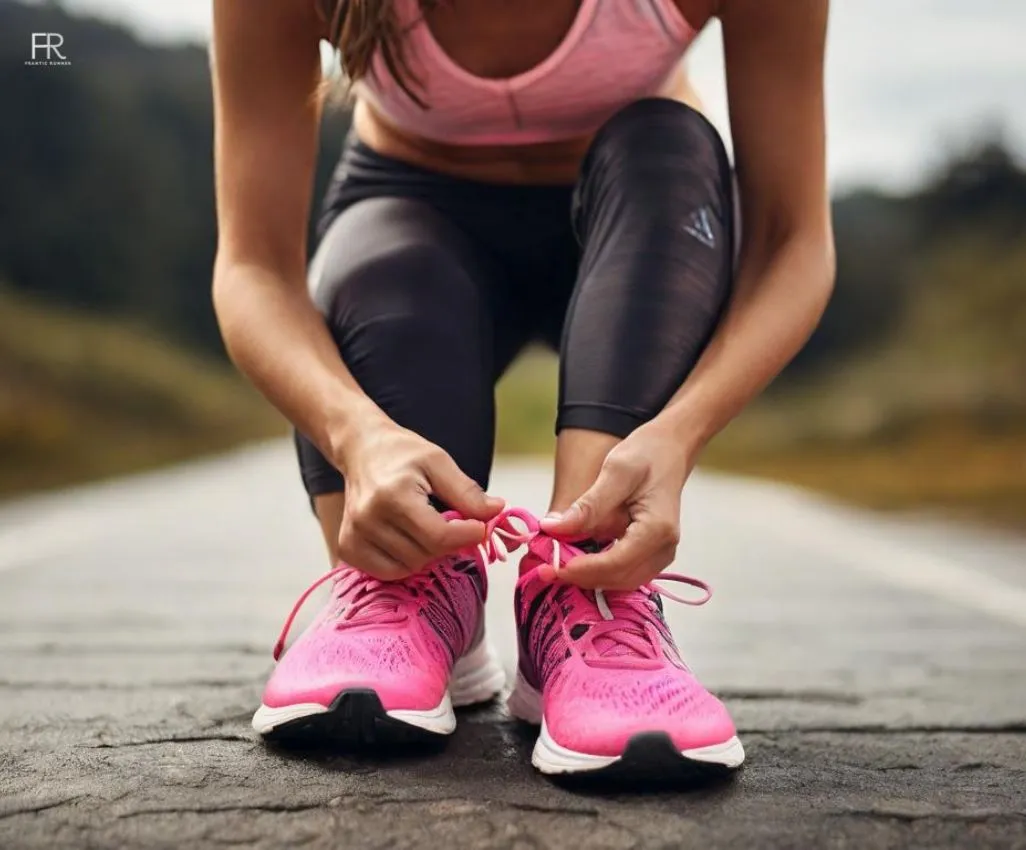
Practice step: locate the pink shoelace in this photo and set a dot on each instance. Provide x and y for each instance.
(369, 596)
(625, 631)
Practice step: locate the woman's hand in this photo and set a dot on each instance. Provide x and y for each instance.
(389, 529)
(635, 499)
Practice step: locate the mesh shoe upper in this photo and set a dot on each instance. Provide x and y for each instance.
(400, 639)
(606, 664)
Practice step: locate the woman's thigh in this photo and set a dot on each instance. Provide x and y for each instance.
(410, 302)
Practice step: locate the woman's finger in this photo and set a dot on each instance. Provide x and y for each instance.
(458, 490)
(433, 533)
(400, 545)
(600, 506)
(644, 551)
(371, 559)
(383, 566)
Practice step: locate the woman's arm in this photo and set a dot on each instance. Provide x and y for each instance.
(266, 72)
(774, 54)
(774, 57)
(266, 81)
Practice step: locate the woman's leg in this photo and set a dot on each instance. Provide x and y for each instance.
(599, 670)
(654, 211)
(407, 299)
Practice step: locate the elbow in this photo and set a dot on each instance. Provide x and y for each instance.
(245, 288)
(223, 294)
(812, 257)
(222, 288)
(232, 292)
(815, 273)
(801, 244)
(803, 256)
(827, 274)
(828, 251)
(821, 268)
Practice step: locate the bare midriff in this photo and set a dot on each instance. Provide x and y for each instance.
(546, 163)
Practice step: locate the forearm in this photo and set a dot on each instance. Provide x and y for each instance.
(777, 303)
(277, 339)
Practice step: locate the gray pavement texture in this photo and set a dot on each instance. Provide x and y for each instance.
(875, 668)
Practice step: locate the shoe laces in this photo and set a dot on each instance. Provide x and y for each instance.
(625, 631)
(364, 598)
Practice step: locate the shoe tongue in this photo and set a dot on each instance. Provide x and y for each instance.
(541, 550)
(617, 642)
(605, 645)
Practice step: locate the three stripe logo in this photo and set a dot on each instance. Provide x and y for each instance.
(700, 226)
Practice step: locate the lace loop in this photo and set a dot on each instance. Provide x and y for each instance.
(624, 627)
(502, 537)
(682, 579)
(560, 556)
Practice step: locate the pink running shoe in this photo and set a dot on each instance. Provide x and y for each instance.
(600, 672)
(387, 661)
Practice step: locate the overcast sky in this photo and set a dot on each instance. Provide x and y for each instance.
(906, 78)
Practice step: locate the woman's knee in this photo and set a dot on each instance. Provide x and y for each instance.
(657, 165)
(390, 260)
(653, 129)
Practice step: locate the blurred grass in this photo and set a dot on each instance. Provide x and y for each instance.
(83, 398)
(933, 418)
(958, 462)
(526, 399)
(968, 460)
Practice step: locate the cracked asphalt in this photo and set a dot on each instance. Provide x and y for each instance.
(875, 668)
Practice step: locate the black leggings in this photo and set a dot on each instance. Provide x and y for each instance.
(431, 285)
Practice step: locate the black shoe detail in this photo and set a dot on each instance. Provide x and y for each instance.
(355, 721)
(651, 762)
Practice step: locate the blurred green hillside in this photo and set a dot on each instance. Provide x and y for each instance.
(83, 397)
(912, 392)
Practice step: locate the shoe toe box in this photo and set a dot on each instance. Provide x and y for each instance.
(322, 664)
(599, 712)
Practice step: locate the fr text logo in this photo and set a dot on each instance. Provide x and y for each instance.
(47, 49)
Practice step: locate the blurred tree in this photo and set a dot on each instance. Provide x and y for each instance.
(106, 172)
(977, 196)
(980, 186)
(873, 234)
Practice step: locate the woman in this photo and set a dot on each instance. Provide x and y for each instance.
(520, 170)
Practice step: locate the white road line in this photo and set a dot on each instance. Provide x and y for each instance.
(836, 537)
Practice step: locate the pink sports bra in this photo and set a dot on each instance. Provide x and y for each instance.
(616, 52)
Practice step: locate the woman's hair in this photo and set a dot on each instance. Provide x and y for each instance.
(358, 28)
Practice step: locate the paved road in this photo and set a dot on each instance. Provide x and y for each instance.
(876, 670)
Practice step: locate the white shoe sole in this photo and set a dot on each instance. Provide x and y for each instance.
(357, 713)
(550, 758)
